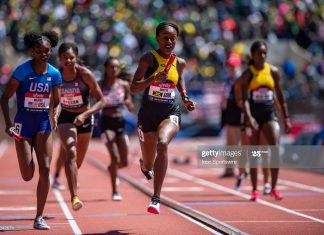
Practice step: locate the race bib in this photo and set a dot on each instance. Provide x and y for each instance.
(114, 98)
(262, 95)
(71, 99)
(36, 101)
(162, 92)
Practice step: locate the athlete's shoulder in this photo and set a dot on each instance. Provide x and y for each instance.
(181, 61)
(273, 68)
(52, 69)
(22, 70)
(84, 71)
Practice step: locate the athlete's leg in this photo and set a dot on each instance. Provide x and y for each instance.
(25, 158)
(113, 152)
(166, 131)
(254, 140)
(271, 132)
(232, 138)
(43, 145)
(83, 140)
(68, 135)
(122, 143)
(60, 161)
(148, 142)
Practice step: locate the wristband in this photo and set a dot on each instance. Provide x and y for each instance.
(183, 92)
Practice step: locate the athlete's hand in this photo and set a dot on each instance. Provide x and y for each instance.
(287, 124)
(253, 123)
(79, 120)
(190, 105)
(161, 77)
(7, 130)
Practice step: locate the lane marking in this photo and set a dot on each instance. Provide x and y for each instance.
(239, 194)
(18, 208)
(301, 186)
(183, 189)
(67, 212)
(196, 222)
(16, 192)
(3, 147)
(269, 221)
(309, 209)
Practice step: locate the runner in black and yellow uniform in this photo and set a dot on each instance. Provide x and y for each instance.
(260, 83)
(159, 115)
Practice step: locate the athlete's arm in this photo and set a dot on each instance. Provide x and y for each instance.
(10, 89)
(128, 98)
(245, 94)
(95, 90)
(181, 86)
(56, 104)
(238, 92)
(139, 83)
(281, 98)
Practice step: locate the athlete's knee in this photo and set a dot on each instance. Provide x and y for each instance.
(162, 146)
(44, 171)
(27, 176)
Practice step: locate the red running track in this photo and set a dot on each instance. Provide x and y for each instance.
(197, 189)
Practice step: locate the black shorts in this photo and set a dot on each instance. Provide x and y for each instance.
(265, 116)
(68, 117)
(149, 120)
(116, 124)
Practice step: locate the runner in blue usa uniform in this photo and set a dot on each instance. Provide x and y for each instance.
(37, 87)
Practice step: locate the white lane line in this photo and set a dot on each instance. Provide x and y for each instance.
(239, 194)
(301, 186)
(196, 222)
(309, 210)
(16, 192)
(270, 221)
(3, 147)
(298, 185)
(67, 212)
(18, 208)
(183, 189)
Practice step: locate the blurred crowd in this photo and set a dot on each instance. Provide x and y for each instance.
(210, 30)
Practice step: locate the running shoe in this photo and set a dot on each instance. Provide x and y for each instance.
(40, 223)
(116, 197)
(254, 196)
(148, 174)
(276, 194)
(58, 186)
(154, 206)
(76, 203)
(267, 189)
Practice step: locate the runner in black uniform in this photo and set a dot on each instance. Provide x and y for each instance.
(159, 115)
(116, 94)
(260, 84)
(75, 119)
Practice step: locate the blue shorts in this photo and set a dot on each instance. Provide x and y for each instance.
(28, 124)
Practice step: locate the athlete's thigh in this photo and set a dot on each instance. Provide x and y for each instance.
(167, 130)
(148, 141)
(24, 152)
(43, 146)
(68, 135)
(233, 134)
(270, 132)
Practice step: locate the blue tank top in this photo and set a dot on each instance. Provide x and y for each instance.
(33, 93)
(75, 93)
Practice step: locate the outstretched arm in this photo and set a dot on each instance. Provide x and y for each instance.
(11, 88)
